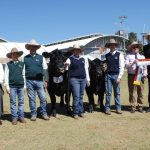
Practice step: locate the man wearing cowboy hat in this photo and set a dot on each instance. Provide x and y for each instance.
(15, 82)
(130, 63)
(146, 50)
(35, 69)
(1, 91)
(115, 69)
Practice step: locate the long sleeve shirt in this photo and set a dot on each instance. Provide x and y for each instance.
(45, 68)
(85, 66)
(131, 67)
(7, 77)
(121, 64)
(1, 74)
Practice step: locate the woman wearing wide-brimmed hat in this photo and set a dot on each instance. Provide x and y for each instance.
(115, 69)
(79, 77)
(15, 83)
(146, 50)
(131, 61)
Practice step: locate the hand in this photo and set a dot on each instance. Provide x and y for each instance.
(25, 90)
(88, 83)
(143, 79)
(46, 84)
(118, 81)
(8, 91)
(135, 61)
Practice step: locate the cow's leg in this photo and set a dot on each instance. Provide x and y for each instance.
(53, 102)
(101, 99)
(62, 101)
(91, 101)
(67, 100)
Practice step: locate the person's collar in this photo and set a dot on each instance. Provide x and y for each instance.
(113, 52)
(73, 56)
(33, 54)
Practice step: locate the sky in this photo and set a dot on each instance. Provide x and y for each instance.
(49, 21)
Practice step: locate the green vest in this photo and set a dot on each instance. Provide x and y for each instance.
(34, 67)
(16, 74)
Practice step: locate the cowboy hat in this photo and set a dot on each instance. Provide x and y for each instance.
(14, 50)
(32, 44)
(75, 47)
(111, 42)
(147, 35)
(133, 44)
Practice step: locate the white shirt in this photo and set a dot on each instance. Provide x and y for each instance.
(45, 68)
(121, 64)
(131, 67)
(85, 66)
(1, 74)
(7, 77)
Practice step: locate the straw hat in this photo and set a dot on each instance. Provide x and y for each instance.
(111, 42)
(133, 44)
(75, 47)
(14, 50)
(147, 36)
(32, 44)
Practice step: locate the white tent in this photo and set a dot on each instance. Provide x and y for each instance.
(5, 47)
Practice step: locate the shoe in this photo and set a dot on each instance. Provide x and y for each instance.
(75, 116)
(14, 121)
(22, 120)
(141, 109)
(148, 110)
(33, 118)
(132, 110)
(45, 117)
(82, 115)
(119, 112)
(0, 122)
(108, 112)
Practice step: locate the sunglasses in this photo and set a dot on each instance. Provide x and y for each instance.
(135, 47)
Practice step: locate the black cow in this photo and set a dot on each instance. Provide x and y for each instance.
(58, 79)
(97, 83)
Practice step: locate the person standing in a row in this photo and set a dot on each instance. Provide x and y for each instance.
(79, 77)
(146, 50)
(115, 70)
(15, 82)
(131, 65)
(35, 70)
(1, 91)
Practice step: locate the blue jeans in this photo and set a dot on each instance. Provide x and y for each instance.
(77, 88)
(34, 86)
(14, 92)
(110, 81)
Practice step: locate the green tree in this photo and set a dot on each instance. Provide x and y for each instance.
(132, 36)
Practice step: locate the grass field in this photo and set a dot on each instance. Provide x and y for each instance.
(96, 131)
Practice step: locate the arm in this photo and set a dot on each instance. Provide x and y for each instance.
(87, 71)
(45, 70)
(121, 66)
(1, 74)
(7, 79)
(23, 74)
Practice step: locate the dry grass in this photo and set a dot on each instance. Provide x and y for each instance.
(96, 131)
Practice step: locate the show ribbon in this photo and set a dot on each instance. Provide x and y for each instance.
(138, 73)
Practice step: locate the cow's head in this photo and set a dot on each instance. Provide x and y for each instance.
(57, 60)
(96, 67)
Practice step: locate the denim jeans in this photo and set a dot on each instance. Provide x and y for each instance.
(14, 92)
(110, 81)
(34, 86)
(77, 88)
